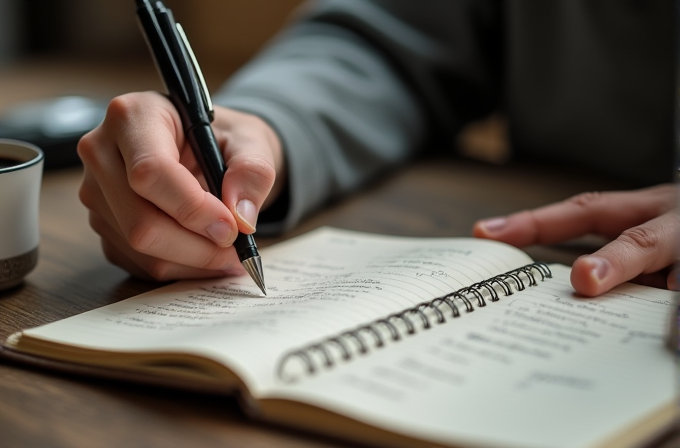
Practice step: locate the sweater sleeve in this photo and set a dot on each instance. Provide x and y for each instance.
(354, 87)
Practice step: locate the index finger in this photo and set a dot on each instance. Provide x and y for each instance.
(606, 214)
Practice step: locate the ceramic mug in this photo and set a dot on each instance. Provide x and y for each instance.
(21, 166)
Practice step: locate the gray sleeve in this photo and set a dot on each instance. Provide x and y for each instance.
(354, 87)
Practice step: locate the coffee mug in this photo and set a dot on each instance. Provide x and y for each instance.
(21, 166)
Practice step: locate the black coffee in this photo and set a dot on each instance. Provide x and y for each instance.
(7, 162)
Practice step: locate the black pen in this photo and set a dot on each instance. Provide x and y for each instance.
(188, 92)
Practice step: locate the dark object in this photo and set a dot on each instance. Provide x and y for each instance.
(54, 125)
(7, 162)
(189, 94)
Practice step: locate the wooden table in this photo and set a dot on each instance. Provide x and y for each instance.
(438, 197)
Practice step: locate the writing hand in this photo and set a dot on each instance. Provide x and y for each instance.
(145, 192)
(644, 225)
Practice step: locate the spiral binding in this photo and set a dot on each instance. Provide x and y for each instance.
(469, 298)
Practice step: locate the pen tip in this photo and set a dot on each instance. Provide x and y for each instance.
(253, 266)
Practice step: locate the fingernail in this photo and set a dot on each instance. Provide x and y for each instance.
(247, 212)
(493, 225)
(599, 268)
(220, 233)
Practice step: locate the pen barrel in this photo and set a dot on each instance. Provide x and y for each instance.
(206, 150)
(203, 143)
(245, 246)
(186, 89)
(175, 65)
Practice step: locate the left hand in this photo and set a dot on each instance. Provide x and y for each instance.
(643, 224)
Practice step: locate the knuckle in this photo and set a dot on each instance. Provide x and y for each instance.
(190, 208)
(129, 108)
(132, 110)
(86, 197)
(142, 235)
(640, 238)
(87, 147)
(588, 199)
(121, 107)
(533, 233)
(159, 270)
(261, 168)
(143, 174)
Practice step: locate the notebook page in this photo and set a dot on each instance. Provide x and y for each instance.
(320, 283)
(538, 368)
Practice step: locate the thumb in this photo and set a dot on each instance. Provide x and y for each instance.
(247, 184)
(254, 157)
(643, 249)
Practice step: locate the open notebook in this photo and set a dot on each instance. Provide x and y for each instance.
(397, 341)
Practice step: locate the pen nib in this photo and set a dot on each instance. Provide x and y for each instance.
(254, 267)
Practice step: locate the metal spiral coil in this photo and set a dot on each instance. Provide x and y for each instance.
(465, 299)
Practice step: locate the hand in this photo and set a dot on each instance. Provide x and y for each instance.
(146, 195)
(644, 225)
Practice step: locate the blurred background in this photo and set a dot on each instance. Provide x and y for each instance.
(88, 51)
(95, 46)
(85, 52)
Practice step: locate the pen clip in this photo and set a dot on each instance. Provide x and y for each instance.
(207, 102)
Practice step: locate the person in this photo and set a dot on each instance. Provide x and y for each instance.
(355, 87)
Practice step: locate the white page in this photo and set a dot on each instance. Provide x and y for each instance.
(539, 368)
(318, 284)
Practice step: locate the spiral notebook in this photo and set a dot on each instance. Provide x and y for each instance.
(395, 341)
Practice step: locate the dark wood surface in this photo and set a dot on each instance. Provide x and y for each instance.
(436, 197)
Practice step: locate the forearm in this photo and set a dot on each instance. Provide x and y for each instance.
(336, 131)
(354, 88)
